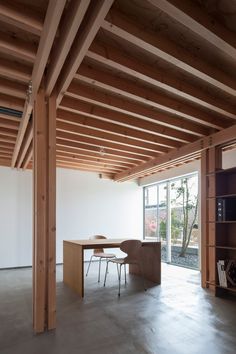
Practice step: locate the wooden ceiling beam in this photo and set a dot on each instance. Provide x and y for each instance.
(69, 28)
(11, 88)
(87, 159)
(84, 38)
(15, 71)
(51, 22)
(96, 155)
(124, 120)
(93, 149)
(109, 136)
(94, 170)
(222, 137)
(8, 132)
(103, 144)
(160, 46)
(88, 165)
(8, 123)
(97, 124)
(17, 48)
(118, 60)
(25, 145)
(10, 102)
(88, 94)
(4, 139)
(145, 95)
(21, 17)
(192, 16)
(6, 147)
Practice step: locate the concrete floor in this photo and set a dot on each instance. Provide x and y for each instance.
(177, 317)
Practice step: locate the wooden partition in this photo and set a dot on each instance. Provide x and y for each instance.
(44, 220)
(211, 161)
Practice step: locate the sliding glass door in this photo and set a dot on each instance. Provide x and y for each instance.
(171, 216)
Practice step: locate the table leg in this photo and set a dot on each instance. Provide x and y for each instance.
(73, 267)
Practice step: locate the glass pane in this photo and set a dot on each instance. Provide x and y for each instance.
(162, 218)
(184, 221)
(150, 212)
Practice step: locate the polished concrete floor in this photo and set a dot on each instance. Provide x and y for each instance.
(177, 317)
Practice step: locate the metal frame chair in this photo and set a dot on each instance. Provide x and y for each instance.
(99, 253)
(132, 249)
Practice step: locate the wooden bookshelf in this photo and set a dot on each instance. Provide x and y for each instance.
(218, 218)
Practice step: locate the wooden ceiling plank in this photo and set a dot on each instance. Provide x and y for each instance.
(15, 71)
(93, 149)
(17, 48)
(106, 117)
(160, 46)
(88, 94)
(10, 102)
(11, 88)
(107, 136)
(103, 144)
(119, 60)
(219, 138)
(198, 21)
(69, 28)
(82, 44)
(21, 17)
(144, 95)
(52, 19)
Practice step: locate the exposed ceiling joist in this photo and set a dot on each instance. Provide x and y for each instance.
(26, 20)
(118, 60)
(69, 28)
(219, 138)
(144, 95)
(83, 41)
(162, 47)
(125, 119)
(11, 88)
(52, 19)
(195, 19)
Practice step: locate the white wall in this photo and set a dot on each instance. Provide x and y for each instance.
(86, 205)
(15, 218)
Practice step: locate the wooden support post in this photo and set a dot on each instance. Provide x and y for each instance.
(44, 168)
(211, 161)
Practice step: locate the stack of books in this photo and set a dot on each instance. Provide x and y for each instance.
(227, 272)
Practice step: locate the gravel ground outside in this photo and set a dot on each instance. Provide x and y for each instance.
(190, 260)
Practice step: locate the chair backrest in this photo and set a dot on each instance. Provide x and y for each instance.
(98, 237)
(131, 248)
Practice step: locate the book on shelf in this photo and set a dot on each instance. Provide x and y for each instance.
(226, 209)
(221, 266)
(227, 272)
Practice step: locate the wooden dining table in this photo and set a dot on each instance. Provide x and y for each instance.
(73, 260)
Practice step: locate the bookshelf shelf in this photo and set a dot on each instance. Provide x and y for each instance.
(220, 224)
(232, 289)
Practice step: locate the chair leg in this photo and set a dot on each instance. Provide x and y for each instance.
(125, 273)
(117, 267)
(106, 274)
(89, 265)
(99, 271)
(119, 280)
